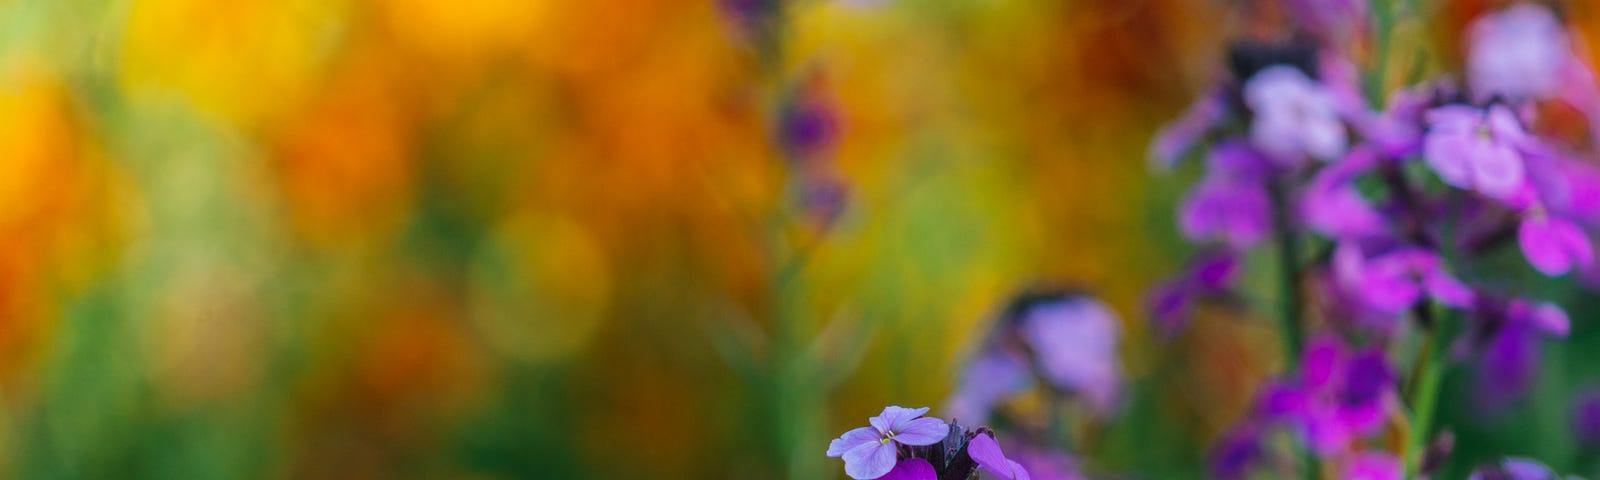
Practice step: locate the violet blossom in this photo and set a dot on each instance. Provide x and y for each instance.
(1586, 419)
(870, 452)
(1517, 53)
(1514, 469)
(1173, 302)
(1293, 117)
(1075, 344)
(1553, 245)
(1476, 149)
(1509, 350)
(1390, 281)
(1373, 465)
(984, 450)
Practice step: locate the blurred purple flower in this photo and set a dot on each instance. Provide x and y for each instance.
(992, 376)
(984, 450)
(1553, 245)
(1075, 341)
(1331, 204)
(1177, 138)
(1476, 149)
(1339, 396)
(1293, 117)
(1391, 281)
(1373, 465)
(911, 469)
(1508, 362)
(1514, 469)
(1238, 213)
(823, 198)
(1045, 464)
(870, 452)
(1586, 419)
(1172, 303)
(1233, 455)
(808, 125)
(1518, 53)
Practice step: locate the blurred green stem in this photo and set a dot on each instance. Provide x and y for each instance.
(1424, 390)
(1289, 292)
(1383, 20)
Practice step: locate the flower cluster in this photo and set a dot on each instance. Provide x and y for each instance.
(1377, 202)
(902, 444)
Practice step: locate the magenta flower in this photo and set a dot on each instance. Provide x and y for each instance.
(1508, 361)
(1332, 206)
(1237, 213)
(1392, 281)
(1339, 395)
(1518, 53)
(1475, 149)
(1294, 117)
(1373, 466)
(1554, 245)
(984, 450)
(1075, 343)
(1234, 454)
(911, 469)
(1173, 302)
(870, 452)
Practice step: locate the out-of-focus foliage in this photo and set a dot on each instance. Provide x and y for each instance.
(503, 238)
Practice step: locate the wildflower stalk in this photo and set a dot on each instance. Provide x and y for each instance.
(1289, 271)
(1423, 394)
(1290, 301)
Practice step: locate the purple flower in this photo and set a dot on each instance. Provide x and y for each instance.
(911, 469)
(1475, 149)
(869, 452)
(1518, 53)
(1392, 281)
(1514, 469)
(1172, 303)
(1586, 418)
(1373, 465)
(1332, 205)
(1235, 453)
(1340, 395)
(1239, 213)
(1554, 245)
(1508, 361)
(1177, 138)
(1075, 343)
(1294, 117)
(992, 376)
(984, 450)
(808, 125)
(1045, 464)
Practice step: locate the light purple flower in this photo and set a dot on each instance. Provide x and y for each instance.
(1294, 117)
(992, 376)
(1390, 282)
(869, 452)
(911, 469)
(1514, 469)
(1075, 341)
(984, 450)
(1044, 463)
(1518, 53)
(1373, 465)
(1553, 245)
(1475, 149)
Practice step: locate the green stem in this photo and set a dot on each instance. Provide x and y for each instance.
(1383, 20)
(1289, 271)
(1424, 391)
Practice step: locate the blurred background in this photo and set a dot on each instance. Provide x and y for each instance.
(534, 239)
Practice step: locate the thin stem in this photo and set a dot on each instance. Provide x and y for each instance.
(1424, 390)
(1289, 269)
(1383, 19)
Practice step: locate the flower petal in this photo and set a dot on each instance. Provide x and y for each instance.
(984, 450)
(894, 417)
(1553, 246)
(922, 431)
(869, 461)
(912, 469)
(852, 439)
